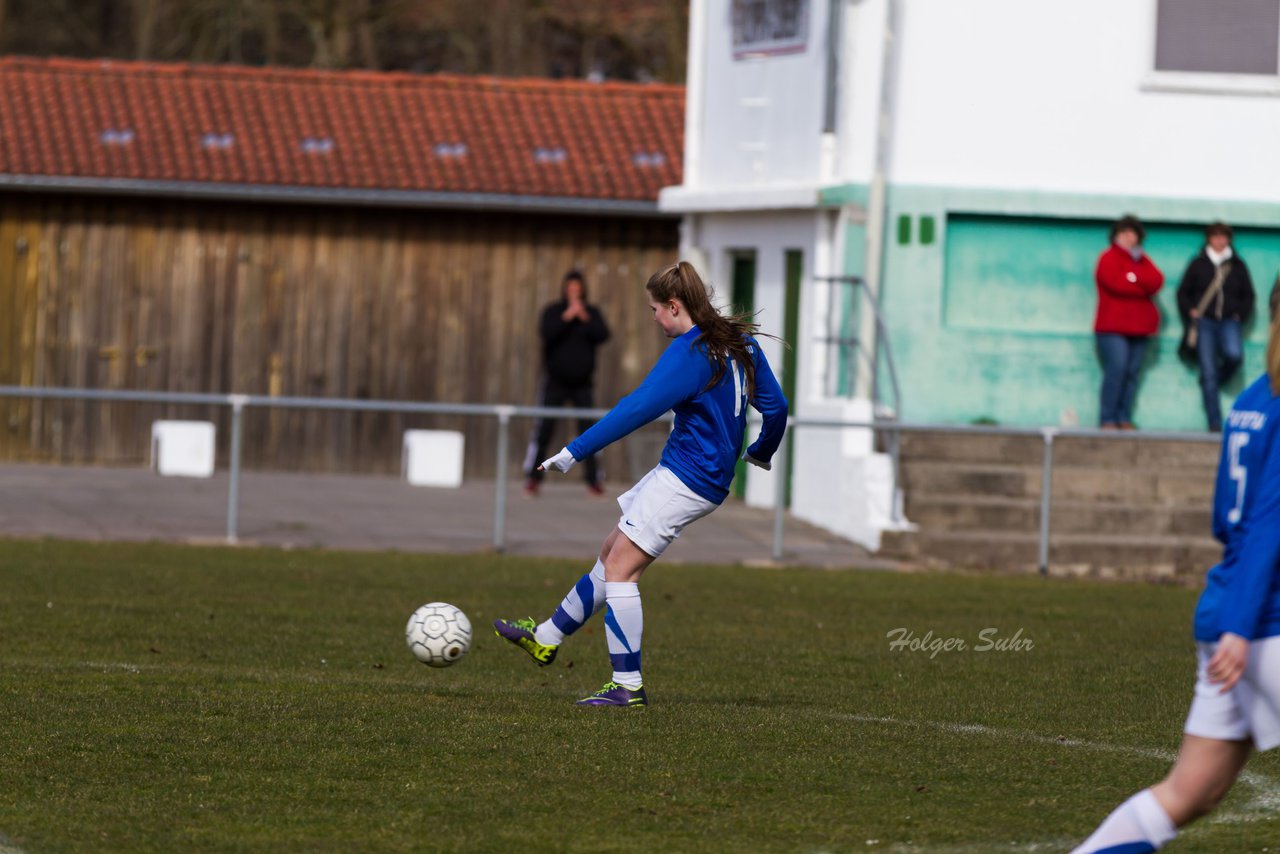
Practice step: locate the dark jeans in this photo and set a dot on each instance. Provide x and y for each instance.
(1121, 358)
(1220, 351)
(558, 394)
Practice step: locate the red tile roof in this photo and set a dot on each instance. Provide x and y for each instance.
(339, 130)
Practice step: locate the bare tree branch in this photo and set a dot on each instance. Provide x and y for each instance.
(269, 20)
(626, 39)
(75, 24)
(145, 15)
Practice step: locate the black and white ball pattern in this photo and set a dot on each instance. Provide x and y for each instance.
(438, 634)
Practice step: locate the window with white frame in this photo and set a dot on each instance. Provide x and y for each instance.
(769, 27)
(1218, 37)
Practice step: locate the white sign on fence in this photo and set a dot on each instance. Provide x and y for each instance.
(182, 448)
(432, 458)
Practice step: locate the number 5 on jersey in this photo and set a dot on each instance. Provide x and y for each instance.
(1239, 474)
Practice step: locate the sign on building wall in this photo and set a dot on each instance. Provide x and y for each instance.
(769, 27)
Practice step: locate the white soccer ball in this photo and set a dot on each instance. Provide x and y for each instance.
(438, 634)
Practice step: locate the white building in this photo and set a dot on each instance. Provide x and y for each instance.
(965, 158)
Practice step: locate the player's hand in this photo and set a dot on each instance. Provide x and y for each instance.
(746, 456)
(1229, 659)
(561, 462)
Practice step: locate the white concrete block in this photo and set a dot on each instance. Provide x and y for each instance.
(183, 448)
(432, 458)
(857, 442)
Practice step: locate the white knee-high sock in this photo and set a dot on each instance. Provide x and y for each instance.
(1139, 825)
(579, 604)
(624, 623)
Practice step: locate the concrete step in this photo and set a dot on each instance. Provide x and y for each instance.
(1122, 504)
(1022, 515)
(1007, 480)
(1154, 484)
(1069, 451)
(1166, 558)
(954, 447)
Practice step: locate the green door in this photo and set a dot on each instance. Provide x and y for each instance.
(742, 299)
(793, 270)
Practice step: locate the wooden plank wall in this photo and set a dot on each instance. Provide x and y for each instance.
(314, 301)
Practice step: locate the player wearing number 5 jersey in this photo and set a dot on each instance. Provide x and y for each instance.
(1236, 705)
(707, 376)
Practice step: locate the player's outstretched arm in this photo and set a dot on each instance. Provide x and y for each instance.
(674, 378)
(561, 462)
(771, 403)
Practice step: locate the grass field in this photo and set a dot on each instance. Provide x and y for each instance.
(163, 698)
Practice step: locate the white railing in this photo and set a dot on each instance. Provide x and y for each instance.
(238, 403)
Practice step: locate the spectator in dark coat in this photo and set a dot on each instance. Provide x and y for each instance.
(571, 330)
(1216, 299)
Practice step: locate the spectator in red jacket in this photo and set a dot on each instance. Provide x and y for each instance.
(1127, 316)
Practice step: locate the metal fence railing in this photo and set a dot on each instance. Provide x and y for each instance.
(238, 403)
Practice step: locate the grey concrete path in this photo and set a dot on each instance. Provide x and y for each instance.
(366, 512)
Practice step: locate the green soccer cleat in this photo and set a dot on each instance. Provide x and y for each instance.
(520, 633)
(613, 694)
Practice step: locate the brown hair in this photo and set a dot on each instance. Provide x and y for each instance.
(722, 338)
(1218, 227)
(1128, 222)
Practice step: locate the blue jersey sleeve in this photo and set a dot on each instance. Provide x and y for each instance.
(771, 403)
(1247, 594)
(678, 375)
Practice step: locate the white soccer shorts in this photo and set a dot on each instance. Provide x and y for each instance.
(657, 509)
(1249, 710)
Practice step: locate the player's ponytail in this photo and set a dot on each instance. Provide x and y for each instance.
(721, 338)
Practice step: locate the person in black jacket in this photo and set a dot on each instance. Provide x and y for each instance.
(1219, 347)
(571, 330)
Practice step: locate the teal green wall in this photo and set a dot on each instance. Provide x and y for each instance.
(994, 318)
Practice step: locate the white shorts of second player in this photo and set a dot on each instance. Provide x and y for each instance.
(1249, 710)
(657, 509)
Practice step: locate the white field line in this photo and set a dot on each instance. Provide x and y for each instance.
(1057, 846)
(1264, 799)
(114, 665)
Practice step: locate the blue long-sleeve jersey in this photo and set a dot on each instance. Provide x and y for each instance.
(706, 442)
(1242, 594)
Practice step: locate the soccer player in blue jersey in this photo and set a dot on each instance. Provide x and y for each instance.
(1236, 705)
(708, 376)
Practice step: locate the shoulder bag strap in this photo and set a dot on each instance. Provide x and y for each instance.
(1219, 276)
